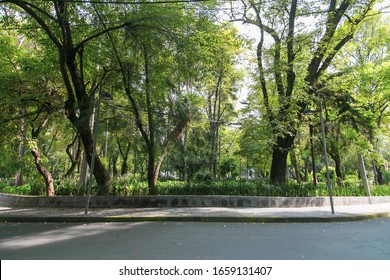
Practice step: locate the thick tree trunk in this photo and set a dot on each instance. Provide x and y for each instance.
(83, 172)
(279, 166)
(279, 159)
(379, 175)
(100, 172)
(337, 162)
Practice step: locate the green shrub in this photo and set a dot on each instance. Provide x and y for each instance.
(69, 186)
(380, 190)
(128, 186)
(21, 190)
(203, 177)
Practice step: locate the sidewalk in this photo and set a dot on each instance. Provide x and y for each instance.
(197, 214)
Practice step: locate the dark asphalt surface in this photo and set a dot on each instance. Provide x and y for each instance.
(359, 240)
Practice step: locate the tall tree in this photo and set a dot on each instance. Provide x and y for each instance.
(70, 29)
(29, 96)
(147, 59)
(289, 91)
(361, 78)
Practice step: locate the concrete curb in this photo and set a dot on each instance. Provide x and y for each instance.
(182, 201)
(220, 219)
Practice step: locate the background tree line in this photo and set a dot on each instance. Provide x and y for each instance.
(167, 77)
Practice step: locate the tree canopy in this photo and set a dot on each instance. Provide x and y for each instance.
(174, 75)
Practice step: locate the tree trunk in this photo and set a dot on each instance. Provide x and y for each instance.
(43, 171)
(83, 172)
(100, 172)
(379, 175)
(337, 162)
(124, 166)
(152, 180)
(334, 154)
(48, 178)
(294, 162)
(279, 159)
(19, 181)
(114, 160)
(125, 155)
(75, 156)
(184, 171)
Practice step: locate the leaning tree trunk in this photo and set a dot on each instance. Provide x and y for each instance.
(48, 178)
(43, 171)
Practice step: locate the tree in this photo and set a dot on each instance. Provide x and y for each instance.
(70, 32)
(30, 94)
(361, 79)
(151, 78)
(297, 58)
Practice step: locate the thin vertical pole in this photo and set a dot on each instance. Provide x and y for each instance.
(313, 161)
(326, 160)
(363, 174)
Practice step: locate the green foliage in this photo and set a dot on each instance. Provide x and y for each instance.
(32, 188)
(130, 186)
(190, 95)
(68, 186)
(230, 167)
(127, 186)
(380, 190)
(205, 177)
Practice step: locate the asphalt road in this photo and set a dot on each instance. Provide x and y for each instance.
(191, 241)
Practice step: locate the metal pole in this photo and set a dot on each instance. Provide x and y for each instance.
(95, 130)
(326, 160)
(363, 174)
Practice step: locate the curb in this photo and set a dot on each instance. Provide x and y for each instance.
(214, 219)
(183, 201)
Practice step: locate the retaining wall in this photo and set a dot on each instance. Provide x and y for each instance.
(7, 200)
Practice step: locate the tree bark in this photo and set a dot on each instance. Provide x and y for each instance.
(337, 161)
(295, 163)
(48, 178)
(125, 156)
(74, 157)
(279, 159)
(100, 172)
(379, 175)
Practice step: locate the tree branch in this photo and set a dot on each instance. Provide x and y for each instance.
(26, 7)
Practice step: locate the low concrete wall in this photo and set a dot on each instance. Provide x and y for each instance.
(7, 200)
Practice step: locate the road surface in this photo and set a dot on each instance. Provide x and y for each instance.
(192, 241)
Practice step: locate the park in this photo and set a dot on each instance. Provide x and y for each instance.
(102, 101)
(114, 103)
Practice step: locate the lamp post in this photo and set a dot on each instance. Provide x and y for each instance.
(325, 154)
(105, 96)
